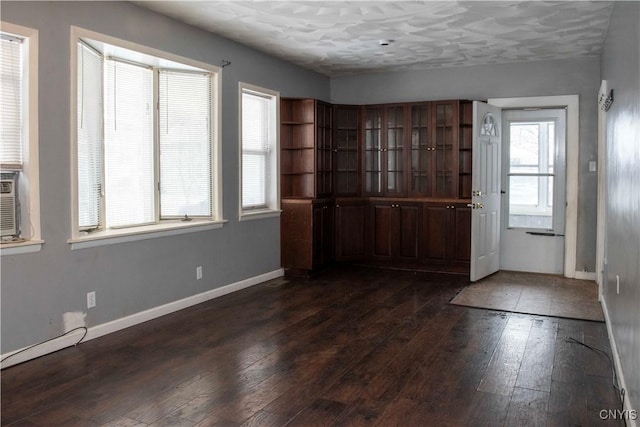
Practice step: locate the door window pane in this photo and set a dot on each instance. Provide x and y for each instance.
(531, 175)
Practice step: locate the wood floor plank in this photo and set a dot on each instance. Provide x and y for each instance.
(527, 408)
(568, 358)
(502, 372)
(537, 362)
(321, 412)
(360, 413)
(265, 419)
(487, 409)
(567, 404)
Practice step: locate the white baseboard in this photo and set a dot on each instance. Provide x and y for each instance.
(618, 365)
(25, 354)
(585, 275)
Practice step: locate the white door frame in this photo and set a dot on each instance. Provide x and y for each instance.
(572, 103)
(601, 257)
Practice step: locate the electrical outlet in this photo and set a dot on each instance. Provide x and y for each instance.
(198, 272)
(91, 299)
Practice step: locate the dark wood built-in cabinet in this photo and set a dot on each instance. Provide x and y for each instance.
(387, 184)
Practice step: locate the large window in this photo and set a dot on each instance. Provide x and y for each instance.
(19, 203)
(259, 151)
(146, 140)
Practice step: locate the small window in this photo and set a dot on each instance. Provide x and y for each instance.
(259, 151)
(18, 135)
(146, 142)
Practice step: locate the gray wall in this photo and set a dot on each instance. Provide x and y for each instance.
(565, 77)
(130, 277)
(621, 69)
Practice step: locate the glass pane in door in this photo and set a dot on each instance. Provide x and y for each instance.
(420, 182)
(395, 148)
(372, 150)
(444, 150)
(531, 174)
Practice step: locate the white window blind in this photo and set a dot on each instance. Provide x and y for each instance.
(185, 144)
(256, 148)
(11, 91)
(128, 144)
(89, 143)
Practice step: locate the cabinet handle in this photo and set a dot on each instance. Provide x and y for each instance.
(337, 206)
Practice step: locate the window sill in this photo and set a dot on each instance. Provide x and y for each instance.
(15, 248)
(259, 214)
(112, 237)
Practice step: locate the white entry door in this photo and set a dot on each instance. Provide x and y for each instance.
(485, 185)
(533, 181)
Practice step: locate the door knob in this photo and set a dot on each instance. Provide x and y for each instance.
(475, 205)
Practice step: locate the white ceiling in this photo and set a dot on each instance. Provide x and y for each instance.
(342, 37)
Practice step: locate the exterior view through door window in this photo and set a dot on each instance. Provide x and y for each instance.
(531, 174)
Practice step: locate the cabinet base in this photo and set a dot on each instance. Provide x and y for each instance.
(426, 268)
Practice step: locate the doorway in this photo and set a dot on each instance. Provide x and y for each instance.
(570, 104)
(534, 191)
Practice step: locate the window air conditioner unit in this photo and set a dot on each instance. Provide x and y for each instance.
(9, 205)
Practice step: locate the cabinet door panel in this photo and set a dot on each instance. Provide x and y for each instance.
(296, 235)
(409, 231)
(436, 233)
(350, 231)
(381, 223)
(323, 246)
(462, 239)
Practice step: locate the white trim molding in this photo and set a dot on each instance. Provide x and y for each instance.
(572, 103)
(617, 365)
(23, 355)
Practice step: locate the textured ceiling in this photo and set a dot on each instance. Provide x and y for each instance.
(342, 37)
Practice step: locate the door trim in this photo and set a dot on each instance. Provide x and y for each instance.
(572, 156)
(601, 258)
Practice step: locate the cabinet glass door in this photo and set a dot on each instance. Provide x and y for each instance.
(444, 149)
(346, 151)
(420, 150)
(324, 150)
(395, 150)
(373, 150)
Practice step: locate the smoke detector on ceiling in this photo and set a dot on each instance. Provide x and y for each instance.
(385, 42)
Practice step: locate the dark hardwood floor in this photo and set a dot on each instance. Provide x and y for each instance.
(352, 346)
